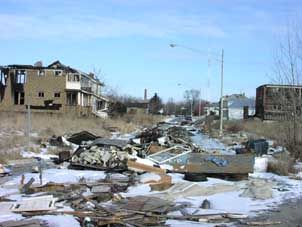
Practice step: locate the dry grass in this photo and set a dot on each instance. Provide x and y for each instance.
(278, 167)
(266, 129)
(13, 125)
(233, 126)
(47, 125)
(12, 154)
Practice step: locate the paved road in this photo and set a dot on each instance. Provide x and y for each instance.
(289, 214)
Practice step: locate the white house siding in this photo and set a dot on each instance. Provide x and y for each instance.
(237, 113)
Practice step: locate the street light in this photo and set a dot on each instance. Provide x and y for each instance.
(172, 45)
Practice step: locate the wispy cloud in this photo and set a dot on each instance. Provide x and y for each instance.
(78, 26)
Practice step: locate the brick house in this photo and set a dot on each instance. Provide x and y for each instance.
(56, 88)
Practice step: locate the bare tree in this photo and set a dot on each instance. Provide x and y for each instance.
(288, 71)
(192, 98)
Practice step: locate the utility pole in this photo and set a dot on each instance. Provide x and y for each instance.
(221, 98)
(28, 121)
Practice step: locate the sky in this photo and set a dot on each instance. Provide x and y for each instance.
(128, 41)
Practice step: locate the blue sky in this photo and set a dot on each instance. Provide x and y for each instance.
(129, 41)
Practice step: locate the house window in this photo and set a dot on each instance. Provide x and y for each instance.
(57, 94)
(41, 94)
(74, 77)
(77, 77)
(2, 78)
(58, 73)
(19, 98)
(21, 101)
(20, 76)
(41, 72)
(71, 98)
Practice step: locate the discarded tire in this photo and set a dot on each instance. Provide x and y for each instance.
(195, 177)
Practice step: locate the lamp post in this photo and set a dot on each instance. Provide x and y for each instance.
(172, 45)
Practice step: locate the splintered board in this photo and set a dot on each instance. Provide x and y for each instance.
(42, 203)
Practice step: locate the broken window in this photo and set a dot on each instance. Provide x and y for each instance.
(2, 78)
(77, 77)
(41, 72)
(16, 98)
(58, 72)
(71, 98)
(20, 76)
(19, 98)
(21, 101)
(74, 77)
(57, 94)
(41, 94)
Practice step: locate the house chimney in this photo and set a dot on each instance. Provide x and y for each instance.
(145, 94)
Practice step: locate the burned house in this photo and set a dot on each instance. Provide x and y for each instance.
(278, 102)
(56, 88)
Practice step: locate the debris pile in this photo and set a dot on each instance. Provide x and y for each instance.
(163, 151)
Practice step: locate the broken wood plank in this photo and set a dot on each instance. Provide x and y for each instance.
(139, 167)
(25, 188)
(263, 223)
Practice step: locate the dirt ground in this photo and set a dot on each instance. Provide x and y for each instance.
(289, 214)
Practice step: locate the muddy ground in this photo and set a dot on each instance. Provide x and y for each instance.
(289, 214)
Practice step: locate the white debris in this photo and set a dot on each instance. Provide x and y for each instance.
(149, 177)
(261, 164)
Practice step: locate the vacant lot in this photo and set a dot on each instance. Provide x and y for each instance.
(13, 126)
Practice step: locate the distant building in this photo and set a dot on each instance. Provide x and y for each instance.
(214, 109)
(236, 104)
(140, 106)
(233, 106)
(278, 102)
(56, 88)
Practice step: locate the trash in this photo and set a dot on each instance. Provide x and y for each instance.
(64, 156)
(140, 167)
(238, 165)
(101, 189)
(258, 189)
(163, 183)
(195, 177)
(169, 154)
(108, 143)
(25, 187)
(4, 171)
(217, 161)
(206, 204)
(259, 146)
(23, 223)
(100, 158)
(41, 203)
(79, 138)
(261, 164)
(263, 223)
